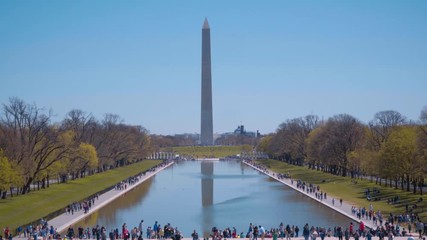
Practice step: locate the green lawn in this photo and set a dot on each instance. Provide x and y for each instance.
(28, 208)
(210, 151)
(342, 187)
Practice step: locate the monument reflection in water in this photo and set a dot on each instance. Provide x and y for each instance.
(197, 195)
(207, 169)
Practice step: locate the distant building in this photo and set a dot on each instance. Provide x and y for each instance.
(238, 137)
(240, 130)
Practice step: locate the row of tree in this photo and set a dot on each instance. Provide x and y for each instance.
(33, 150)
(389, 148)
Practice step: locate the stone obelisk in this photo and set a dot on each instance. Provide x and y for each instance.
(206, 132)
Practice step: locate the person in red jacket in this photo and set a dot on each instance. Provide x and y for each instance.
(362, 229)
(6, 233)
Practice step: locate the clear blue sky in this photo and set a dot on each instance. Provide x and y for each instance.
(271, 60)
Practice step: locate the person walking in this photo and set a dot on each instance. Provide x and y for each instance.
(6, 233)
(256, 232)
(322, 233)
(420, 227)
(369, 235)
(275, 234)
(70, 233)
(314, 234)
(282, 230)
(347, 234)
(306, 232)
(140, 227)
(195, 235)
(288, 232)
(103, 233)
(362, 229)
(339, 233)
(262, 232)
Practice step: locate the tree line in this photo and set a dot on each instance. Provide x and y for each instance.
(389, 149)
(34, 150)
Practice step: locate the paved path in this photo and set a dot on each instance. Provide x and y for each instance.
(63, 221)
(344, 209)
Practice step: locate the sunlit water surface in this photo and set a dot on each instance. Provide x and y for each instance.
(197, 195)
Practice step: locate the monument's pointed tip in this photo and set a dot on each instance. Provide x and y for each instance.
(206, 24)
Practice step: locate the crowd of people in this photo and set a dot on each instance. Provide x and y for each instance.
(44, 231)
(79, 206)
(33, 231)
(254, 232)
(134, 233)
(135, 179)
(393, 221)
(393, 225)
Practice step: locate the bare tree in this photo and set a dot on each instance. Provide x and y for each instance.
(422, 148)
(423, 115)
(291, 137)
(30, 141)
(341, 135)
(382, 125)
(81, 124)
(118, 144)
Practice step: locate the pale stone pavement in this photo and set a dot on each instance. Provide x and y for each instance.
(344, 209)
(63, 221)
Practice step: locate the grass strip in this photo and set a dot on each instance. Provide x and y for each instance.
(350, 191)
(209, 151)
(28, 208)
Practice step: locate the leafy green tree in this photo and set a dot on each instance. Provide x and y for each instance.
(400, 158)
(85, 158)
(5, 173)
(9, 175)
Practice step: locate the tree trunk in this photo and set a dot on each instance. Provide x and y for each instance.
(395, 182)
(408, 184)
(47, 180)
(11, 191)
(26, 187)
(414, 184)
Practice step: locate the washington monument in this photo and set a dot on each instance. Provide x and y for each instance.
(206, 132)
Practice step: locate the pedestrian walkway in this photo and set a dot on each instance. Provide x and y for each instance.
(344, 209)
(63, 221)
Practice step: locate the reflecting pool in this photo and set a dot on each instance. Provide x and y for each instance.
(197, 195)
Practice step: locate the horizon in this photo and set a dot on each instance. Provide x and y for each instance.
(270, 62)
